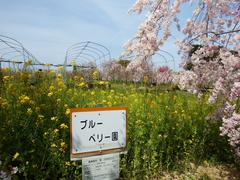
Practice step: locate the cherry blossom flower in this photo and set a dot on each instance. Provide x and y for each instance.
(215, 64)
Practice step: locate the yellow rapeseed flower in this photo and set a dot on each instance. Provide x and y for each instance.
(45, 133)
(15, 156)
(53, 145)
(75, 78)
(40, 116)
(50, 94)
(174, 97)
(74, 164)
(47, 65)
(94, 103)
(67, 163)
(82, 79)
(60, 68)
(101, 82)
(6, 78)
(95, 75)
(104, 101)
(51, 88)
(55, 131)
(54, 118)
(81, 84)
(37, 109)
(60, 83)
(67, 111)
(3, 103)
(5, 70)
(205, 163)
(29, 62)
(24, 99)
(63, 126)
(29, 111)
(52, 72)
(62, 144)
(73, 62)
(145, 79)
(59, 76)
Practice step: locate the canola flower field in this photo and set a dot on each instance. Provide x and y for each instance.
(167, 128)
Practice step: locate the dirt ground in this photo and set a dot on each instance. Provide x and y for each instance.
(203, 172)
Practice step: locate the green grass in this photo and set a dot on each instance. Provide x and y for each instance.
(167, 129)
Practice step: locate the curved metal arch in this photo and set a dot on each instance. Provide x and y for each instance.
(90, 48)
(166, 60)
(14, 49)
(87, 51)
(100, 56)
(31, 56)
(94, 43)
(6, 53)
(78, 55)
(172, 59)
(13, 44)
(11, 39)
(86, 60)
(169, 54)
(87, 46)
(5, 48)
(11, 47)
(83, 56)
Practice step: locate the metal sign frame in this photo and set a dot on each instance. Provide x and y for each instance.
(77, 156)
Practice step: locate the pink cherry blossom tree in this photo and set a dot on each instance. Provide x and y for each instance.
(138, 69)
(163, 75)
(112, 70)
(214, 27)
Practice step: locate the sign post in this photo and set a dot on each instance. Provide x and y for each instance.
(98, 131)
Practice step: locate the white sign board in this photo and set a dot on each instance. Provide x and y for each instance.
(95, 131)
(104, 167)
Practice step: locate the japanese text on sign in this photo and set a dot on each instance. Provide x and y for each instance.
(98, 137)
(97, 130)
(102, 167)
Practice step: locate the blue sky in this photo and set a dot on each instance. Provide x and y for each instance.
(48, 27)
